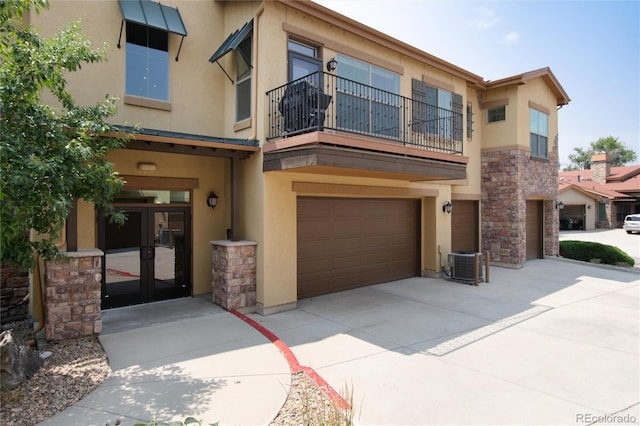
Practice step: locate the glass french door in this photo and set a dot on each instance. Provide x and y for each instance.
(148, 258)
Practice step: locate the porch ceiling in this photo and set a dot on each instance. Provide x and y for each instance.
(336, 160)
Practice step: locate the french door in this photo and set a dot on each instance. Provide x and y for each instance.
(148, 258)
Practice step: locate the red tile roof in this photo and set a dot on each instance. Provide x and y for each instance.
(620, 182)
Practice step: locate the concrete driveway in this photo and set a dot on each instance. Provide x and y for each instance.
(628, 243)
(555, 342)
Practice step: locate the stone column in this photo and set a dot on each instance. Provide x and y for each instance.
(72, 295)
(234, 274)
(14, 286)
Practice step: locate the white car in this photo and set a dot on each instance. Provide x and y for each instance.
(632, 223)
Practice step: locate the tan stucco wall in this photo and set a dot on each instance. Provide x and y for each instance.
(269, 203)
(536, 91)
(279, 244)
(208, 224)
(194, 82)
(572, 197)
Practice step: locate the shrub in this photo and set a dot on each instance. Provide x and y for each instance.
(588, 251)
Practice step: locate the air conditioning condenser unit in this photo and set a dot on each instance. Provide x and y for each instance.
(463, 266)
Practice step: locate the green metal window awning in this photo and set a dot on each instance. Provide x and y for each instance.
(232, 42)
(154, 15)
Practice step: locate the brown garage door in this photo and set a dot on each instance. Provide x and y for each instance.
(464, 226)
(534, 230)
(346, 243)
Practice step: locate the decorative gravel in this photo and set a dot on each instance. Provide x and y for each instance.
(77, 367)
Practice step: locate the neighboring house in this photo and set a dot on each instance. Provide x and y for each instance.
(599, 197)
(334, 147)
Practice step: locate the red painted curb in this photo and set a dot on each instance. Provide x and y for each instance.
(294, 365)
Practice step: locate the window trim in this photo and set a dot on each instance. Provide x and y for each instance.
(245, 79)
(537, 153)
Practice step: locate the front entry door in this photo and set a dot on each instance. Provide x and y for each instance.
(148, 258)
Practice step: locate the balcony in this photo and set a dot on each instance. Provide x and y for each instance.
(344, 105)
(335, 125)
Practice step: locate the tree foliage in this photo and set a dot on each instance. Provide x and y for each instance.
(619, 154)
(50, 155)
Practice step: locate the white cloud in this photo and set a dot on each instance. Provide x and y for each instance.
(512, 38)
(485, 19)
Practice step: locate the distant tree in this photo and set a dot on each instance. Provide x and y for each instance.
(50, 155)
(619, 154)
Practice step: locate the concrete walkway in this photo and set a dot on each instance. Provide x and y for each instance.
(555, 342)
(181, 358)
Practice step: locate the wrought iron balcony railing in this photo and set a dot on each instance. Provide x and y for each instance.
(323, 101)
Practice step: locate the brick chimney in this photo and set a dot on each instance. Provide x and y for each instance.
(600, 168)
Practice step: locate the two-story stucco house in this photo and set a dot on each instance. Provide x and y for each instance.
(343, 156)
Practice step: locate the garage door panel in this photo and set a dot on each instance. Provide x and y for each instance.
(345, 227)
(313, 229)
(464, 226)
(310, 246)
(309, 207)
(533, 230)
(366, 241)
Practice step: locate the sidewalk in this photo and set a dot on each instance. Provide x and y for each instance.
(194, 360)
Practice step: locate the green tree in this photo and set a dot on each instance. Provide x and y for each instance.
(619, 154)
(50, 155)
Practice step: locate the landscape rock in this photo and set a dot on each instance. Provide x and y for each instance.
(18, 361)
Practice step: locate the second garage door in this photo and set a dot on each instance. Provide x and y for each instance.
(346, 243)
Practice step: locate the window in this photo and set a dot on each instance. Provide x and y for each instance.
(469, 120)
(437, 112)
(303, 60)
(147, 62)
(368, 98)
(496, 114)
(538, 124)
(243, 80)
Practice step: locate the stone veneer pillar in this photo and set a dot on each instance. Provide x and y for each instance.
(234, 274)
(509, 178)
(14, 286)
(72, 295)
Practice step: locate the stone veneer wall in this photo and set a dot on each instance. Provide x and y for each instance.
(510, 178)
(234, 274)
(14, 286)
(72, 296)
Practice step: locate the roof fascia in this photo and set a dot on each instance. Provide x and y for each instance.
(545, 73)
(313, 9)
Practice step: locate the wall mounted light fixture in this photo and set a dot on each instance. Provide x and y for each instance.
(332, 64)
(559, 205)
(447, 207)
(147, 167)
(212, 199)
(588, 206)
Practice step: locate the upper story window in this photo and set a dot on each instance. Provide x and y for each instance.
(368, 98)
(239, 42)
(147, 46)
(303, 60)
(243, 79)
(436, 112)
(496, 114)
(147, 62)
(539, 128)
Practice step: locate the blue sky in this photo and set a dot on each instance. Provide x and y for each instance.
(592, 47)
